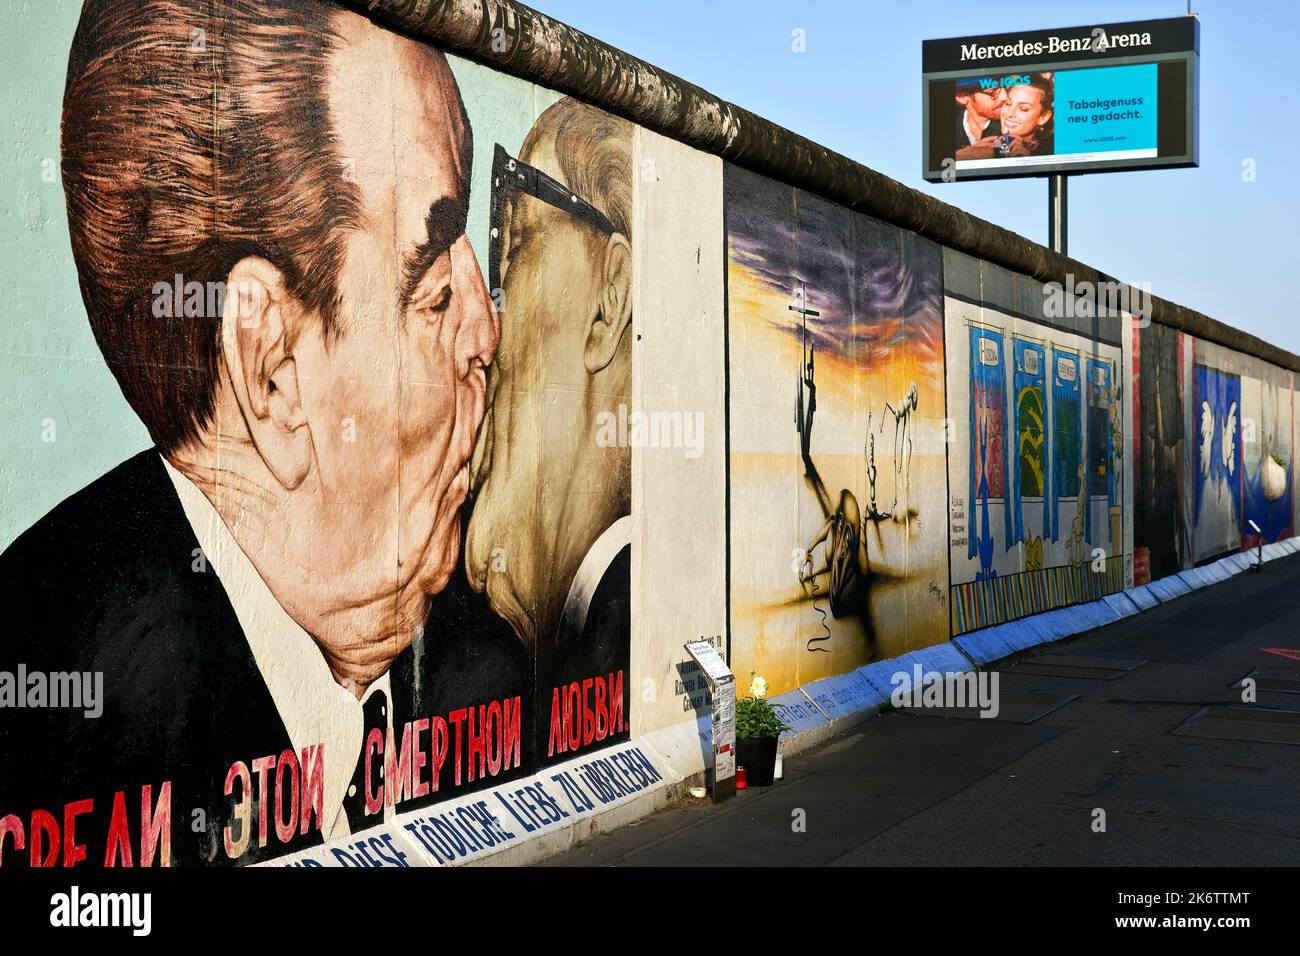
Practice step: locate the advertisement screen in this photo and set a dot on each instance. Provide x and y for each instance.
(1109, 111)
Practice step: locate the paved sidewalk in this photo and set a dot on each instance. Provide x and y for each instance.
(906, 789)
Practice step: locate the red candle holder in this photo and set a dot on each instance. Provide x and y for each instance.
(741, 778)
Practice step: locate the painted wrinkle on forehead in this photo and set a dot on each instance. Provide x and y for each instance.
(362, 99)
(427, 90)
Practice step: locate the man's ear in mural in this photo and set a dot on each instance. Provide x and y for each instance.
(257, 327)
(615, 305)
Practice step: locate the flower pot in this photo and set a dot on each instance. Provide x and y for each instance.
(758, 756)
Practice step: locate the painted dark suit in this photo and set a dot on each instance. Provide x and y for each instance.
(107, 582)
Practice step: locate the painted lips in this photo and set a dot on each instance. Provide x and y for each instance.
(481, 457)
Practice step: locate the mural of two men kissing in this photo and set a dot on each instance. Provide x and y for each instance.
(375, 557)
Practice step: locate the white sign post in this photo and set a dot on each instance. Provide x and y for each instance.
(722, 688)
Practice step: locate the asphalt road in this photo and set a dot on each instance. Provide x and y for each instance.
(920, 789)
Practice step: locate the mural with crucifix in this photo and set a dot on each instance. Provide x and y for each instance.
(838, 539)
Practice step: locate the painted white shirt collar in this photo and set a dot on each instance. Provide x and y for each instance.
(315, 709)
(590, 573)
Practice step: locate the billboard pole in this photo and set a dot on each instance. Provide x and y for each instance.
(1057, 221)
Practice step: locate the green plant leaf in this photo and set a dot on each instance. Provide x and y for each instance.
(755, 717)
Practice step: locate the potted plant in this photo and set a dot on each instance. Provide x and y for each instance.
(757, 729)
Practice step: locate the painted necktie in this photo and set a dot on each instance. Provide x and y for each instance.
(375, 710)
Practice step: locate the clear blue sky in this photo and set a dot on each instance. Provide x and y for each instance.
(1200, 237)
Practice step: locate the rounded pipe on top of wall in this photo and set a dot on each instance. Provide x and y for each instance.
(518, 40)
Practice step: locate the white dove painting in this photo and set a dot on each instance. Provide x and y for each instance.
(1207, 437)
(1265, 439)
(1228, 442)
(1218, 476)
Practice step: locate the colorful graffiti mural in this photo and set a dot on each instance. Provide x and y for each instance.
(837, 542)
(1267, 403)
(1057, 537)
(1213, 437)
(987, 425)
(1216, 509)
(283, 274)
(1162, 520)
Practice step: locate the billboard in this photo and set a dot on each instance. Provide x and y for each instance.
(1079, 100)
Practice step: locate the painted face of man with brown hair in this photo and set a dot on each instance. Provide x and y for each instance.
(329, 413)
(340, 461)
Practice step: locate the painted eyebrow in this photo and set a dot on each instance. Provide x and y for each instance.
(444, 224)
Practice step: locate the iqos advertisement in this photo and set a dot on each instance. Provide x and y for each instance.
(1086, 99)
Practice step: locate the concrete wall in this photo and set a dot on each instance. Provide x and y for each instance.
(1213, 439)
(367, 464)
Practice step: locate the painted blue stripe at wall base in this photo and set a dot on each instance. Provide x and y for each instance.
(798, 711)
(1121, 604)
(1238, 562)
(946, 658)
(1143, 596)
(845, 694)
(1166, 589)
(986, 646)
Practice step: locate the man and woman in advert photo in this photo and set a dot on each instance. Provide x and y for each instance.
(1004, 117)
